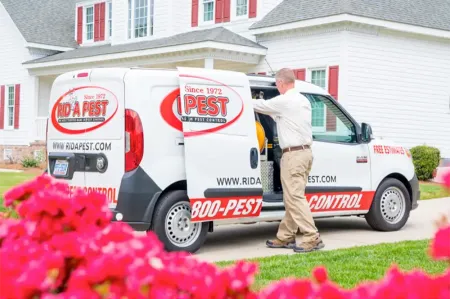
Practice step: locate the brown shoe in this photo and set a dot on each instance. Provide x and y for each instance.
(277, 243)
(310, 246)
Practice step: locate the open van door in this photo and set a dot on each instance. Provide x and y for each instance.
(221, 148)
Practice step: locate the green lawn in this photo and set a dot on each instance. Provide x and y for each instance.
(348, 267)
(431, 190)
(10, 179)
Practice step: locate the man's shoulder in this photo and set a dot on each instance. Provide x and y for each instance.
(300, 98)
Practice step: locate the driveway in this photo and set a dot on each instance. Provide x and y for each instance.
(234, 242)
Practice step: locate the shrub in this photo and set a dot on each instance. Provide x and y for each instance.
(29, 162)
(67, 247)
(425, 159)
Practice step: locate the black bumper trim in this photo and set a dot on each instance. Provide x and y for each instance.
(415, 196)
(138, 194)
(227, 192)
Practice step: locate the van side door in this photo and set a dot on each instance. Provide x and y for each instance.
(221, 148)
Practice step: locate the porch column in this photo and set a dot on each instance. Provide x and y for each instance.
(209, 63)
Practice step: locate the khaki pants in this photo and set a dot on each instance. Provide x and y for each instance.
(295, 168)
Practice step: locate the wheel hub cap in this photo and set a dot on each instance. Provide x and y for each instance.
(179, 228)
(392, 205)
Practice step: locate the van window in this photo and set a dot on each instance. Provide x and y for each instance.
(328, 122)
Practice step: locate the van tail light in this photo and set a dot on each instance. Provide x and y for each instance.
(134, 140)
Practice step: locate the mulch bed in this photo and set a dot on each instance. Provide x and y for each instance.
(34, 170)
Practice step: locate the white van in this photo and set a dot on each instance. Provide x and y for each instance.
(176, 152)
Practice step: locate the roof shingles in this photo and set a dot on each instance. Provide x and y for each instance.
(425, 13)
(48, 22)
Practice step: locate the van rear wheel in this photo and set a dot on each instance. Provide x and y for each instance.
(390, 207)
(172, 223)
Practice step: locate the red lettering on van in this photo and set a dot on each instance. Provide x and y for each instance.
(64, 109)
(109, 192)
(211, 105)
(95, 108)
(338, 201)
(171, 108)
(84, 109)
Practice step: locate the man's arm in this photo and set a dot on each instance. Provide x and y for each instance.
(272, 107)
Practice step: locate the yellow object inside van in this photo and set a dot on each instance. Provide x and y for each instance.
(261, 135)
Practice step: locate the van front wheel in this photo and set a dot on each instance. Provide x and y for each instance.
(390, 207)
(172, 223)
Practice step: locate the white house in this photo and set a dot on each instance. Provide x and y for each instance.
(386, 61)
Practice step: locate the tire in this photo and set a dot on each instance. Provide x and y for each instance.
(176, 203)
(390, 207)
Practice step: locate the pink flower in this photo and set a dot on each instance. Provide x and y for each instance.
(440, 245)
(320, 274)
(447, 179)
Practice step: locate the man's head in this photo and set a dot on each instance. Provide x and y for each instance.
(285, 80)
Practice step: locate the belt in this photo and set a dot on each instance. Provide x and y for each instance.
(295, 148)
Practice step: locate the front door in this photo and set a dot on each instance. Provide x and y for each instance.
(221, 147)
(340, 179)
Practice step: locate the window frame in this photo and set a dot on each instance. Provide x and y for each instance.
(85, 24)
(108, 21)
(85, 5)
(201, 12)
(234, 6)
(356, 126)
(130, 32)
(319, 129)
(7, 106)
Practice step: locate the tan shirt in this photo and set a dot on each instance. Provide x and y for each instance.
(292, 112)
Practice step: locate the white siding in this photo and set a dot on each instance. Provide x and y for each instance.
(301, 50)
(120, 21)
(12, 54)
(45, 85)
(162, 18)
(401, 86)
(181, 16)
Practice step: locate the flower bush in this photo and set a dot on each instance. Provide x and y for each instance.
(67, 247)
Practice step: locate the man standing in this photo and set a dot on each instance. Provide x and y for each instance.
(292, 112)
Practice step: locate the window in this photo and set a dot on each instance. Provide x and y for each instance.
(89, 23)
(140, 18)
(344, 131)
(318, 77)
(109, 19)
(241, 7)
(208, 10)
(10, 98)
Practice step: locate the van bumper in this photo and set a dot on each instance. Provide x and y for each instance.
(415, 188)
(138, 194)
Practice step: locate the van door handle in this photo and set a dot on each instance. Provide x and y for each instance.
(253, 157)
(179, 141)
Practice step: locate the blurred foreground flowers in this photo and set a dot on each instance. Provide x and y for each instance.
(67, 247)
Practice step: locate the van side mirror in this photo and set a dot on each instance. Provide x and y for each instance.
(366, 133)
